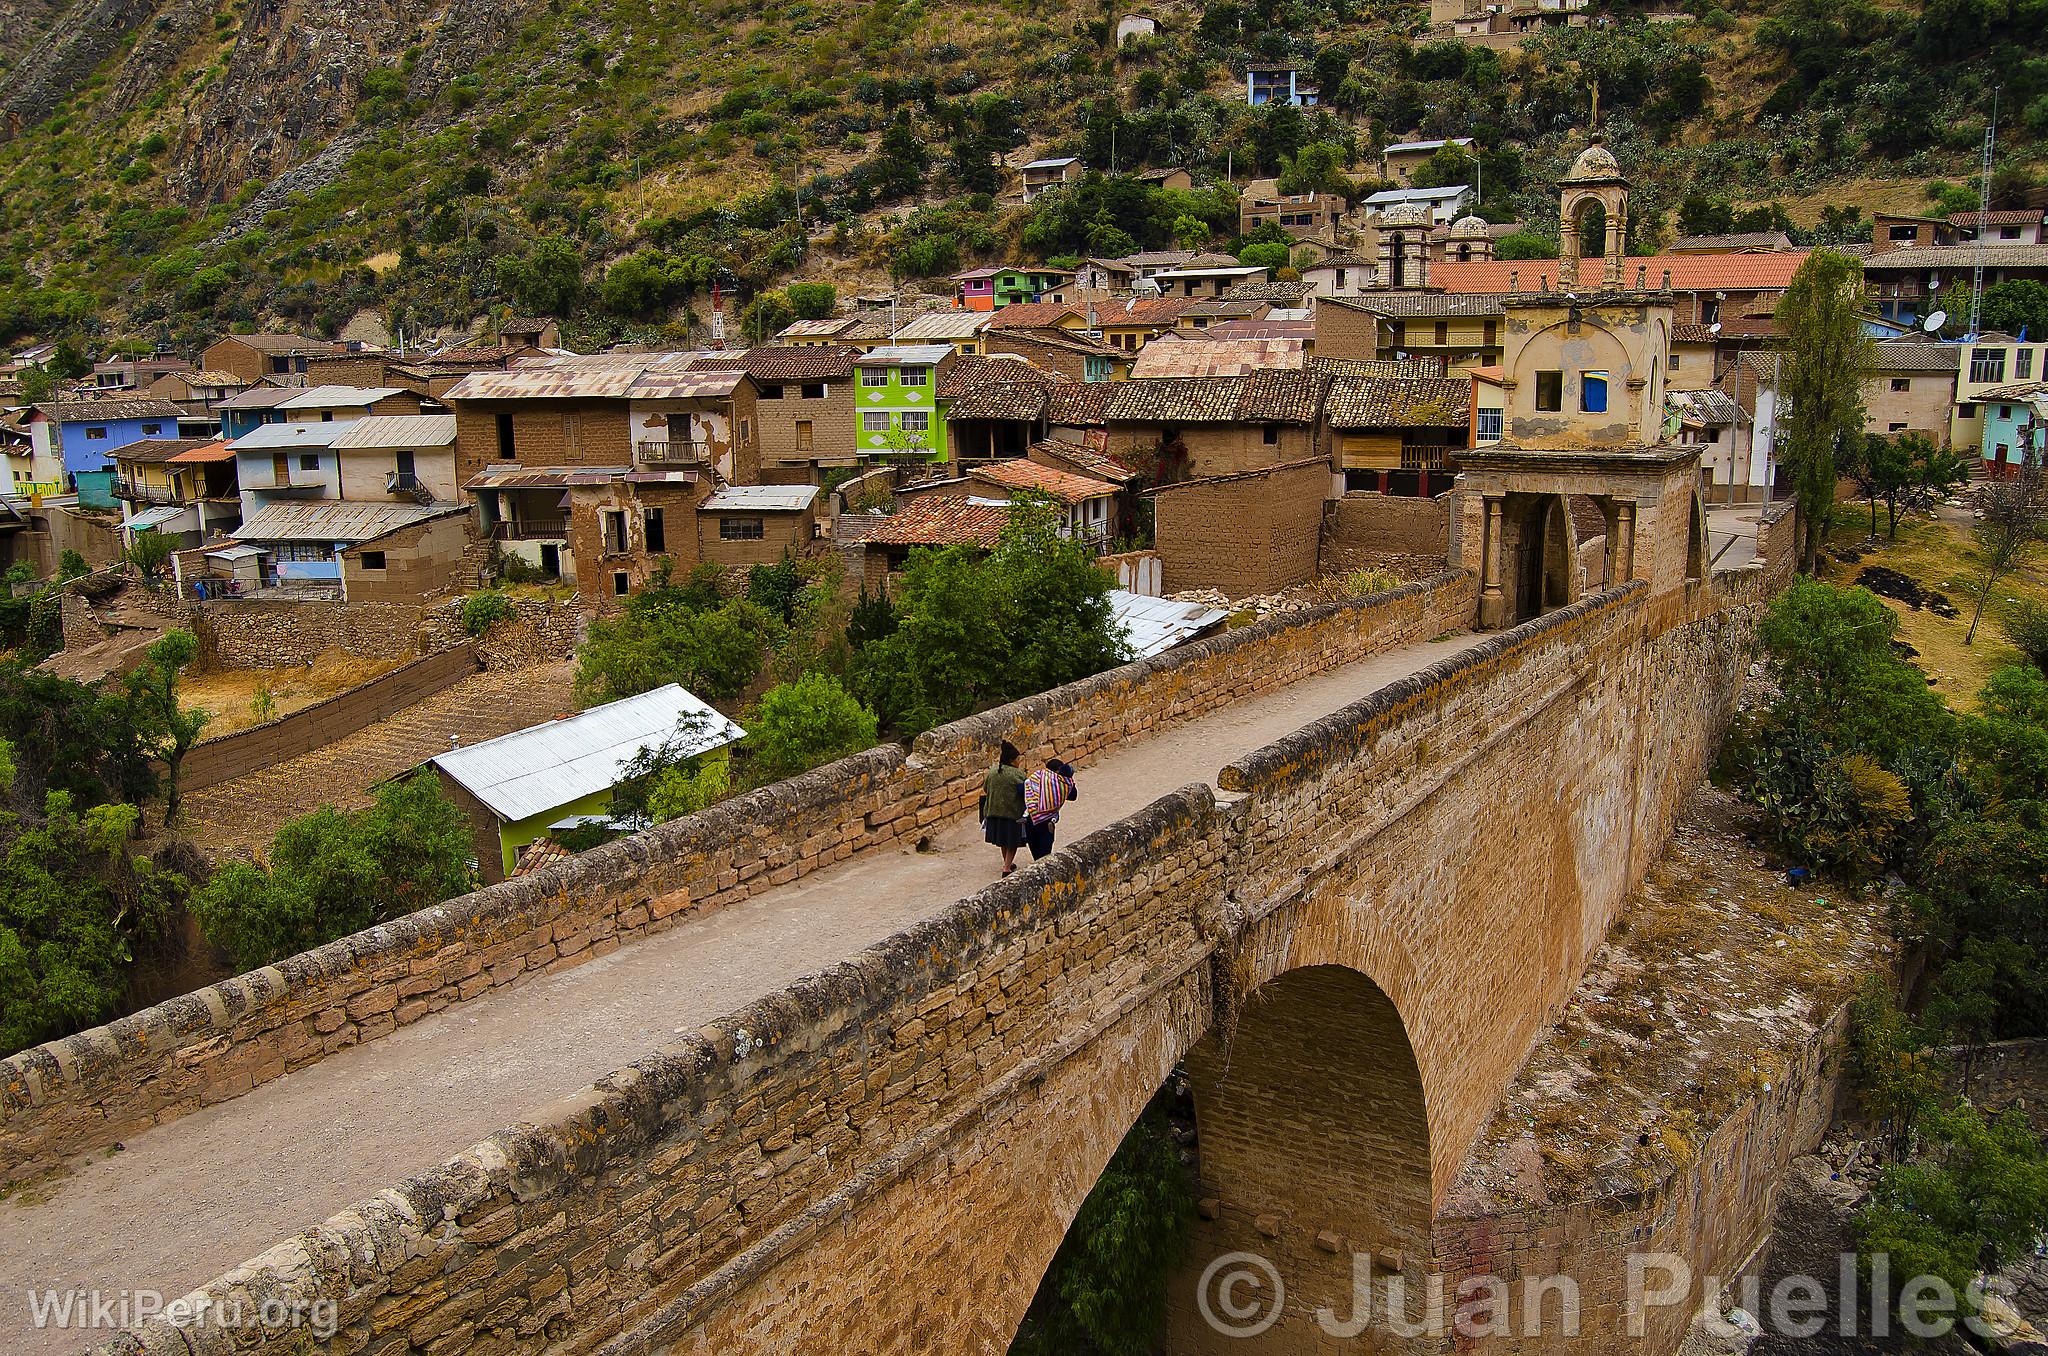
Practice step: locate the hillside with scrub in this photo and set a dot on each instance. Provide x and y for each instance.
(177, 169)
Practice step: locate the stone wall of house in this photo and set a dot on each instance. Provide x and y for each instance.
(214, 761)
(89, 1090)
(1244, 534)
(1407, 535)
(859, 1137)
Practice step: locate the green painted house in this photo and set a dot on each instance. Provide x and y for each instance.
(1014, 285)
(895, 395)
(524, 786)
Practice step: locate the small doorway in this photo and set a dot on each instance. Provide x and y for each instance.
(551, 559)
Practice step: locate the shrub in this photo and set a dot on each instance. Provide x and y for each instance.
(805, 724)
(149, 552)
(483, 610)
(695, 786)
(812, 300)
(2026, 625)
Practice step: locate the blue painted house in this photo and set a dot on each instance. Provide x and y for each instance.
(85, 432)
(2009, 413)
(1278, 85)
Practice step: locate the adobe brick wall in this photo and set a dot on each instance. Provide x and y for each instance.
(214, 761)
(1245, 535)
(1402, 533)
(89, 1090)
(859, 1138)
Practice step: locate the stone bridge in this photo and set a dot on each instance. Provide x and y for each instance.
(1350, 943)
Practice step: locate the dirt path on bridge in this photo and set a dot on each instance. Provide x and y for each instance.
(185, 1201)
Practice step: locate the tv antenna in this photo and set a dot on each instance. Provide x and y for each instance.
(1983, 221)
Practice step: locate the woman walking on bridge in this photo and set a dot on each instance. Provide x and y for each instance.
(1045, 791)
(1002, 806)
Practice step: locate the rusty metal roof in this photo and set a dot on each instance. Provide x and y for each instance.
(608, 376)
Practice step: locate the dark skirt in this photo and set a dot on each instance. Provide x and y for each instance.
(1004, 833)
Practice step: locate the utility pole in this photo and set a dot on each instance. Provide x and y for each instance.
(1983, 222)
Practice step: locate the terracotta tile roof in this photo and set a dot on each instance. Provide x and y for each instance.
(1081, 404)
(211, 377)
(1740, 240)
(1018, 400)
(1024, 315)
(1304, 330)
(1383, 402)
(791, 362)
(1065, 486)
(972, 371)
(943, 522)
(1689, 272)
(85, 411)
(1915, 357)
(1686, 332)
(1407, 305)
(1958, 256)
(1203, 355)
(2014, 216)
(1260, 397)
(1067, 341)
(541, 852)
(1142, 311)
(1228, 308)
(284, 343)
(152, 450)
(1269, 291)
(2026, 390)
(1092, 461)
(1428, 366)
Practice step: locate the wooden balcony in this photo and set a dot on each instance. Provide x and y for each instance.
(531, 529)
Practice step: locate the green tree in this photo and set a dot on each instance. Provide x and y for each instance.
(972, 632)
(332, 874)
(766, 316)
(1525, 245)
(1190, 232)
(1827, 353)
(547, 282)
(2012, 521)
(678, 791)
(2015, 305)
(667, 635)
(149, 552)
(1265, 254)
(805, 724)
(169, 730)
(1105, 1292)
(75, 909)
(812, 300)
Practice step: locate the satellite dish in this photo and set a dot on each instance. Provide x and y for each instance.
(1934, 321)
(1714, 328)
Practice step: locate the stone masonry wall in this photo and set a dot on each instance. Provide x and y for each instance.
(825, 1169)
(252, 634)
(89, 1090)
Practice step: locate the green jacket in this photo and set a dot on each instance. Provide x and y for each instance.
(1002, 795)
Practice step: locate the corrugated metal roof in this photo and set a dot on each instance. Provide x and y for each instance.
(1154, 625)
(915, 355)
(942, 325)
(153, 517)
(259, 397)
(762, 498)
(336, 397)
(336, 520)
(398, 430)
(543, 767)
(283, 437)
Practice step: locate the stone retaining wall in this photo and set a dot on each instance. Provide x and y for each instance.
(214, 761)
(248, 633)
(87, 1091)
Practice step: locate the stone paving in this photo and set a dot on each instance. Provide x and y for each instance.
(236, 818)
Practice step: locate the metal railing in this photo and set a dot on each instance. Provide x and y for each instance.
(531, 529)
(671, 452)
(146, 494)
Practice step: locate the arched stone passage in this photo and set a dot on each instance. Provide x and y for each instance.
(1314, 1147)
(1539, 541)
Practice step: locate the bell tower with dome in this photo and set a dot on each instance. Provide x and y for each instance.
(1595, 183)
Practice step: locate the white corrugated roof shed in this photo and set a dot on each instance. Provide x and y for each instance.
(788, 498)
(532, 771)
(283, 437)
(336, 397)
(1154, 625)
(399, 430)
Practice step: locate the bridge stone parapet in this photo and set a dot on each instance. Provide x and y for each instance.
(1351, 948)
(87, 1092)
